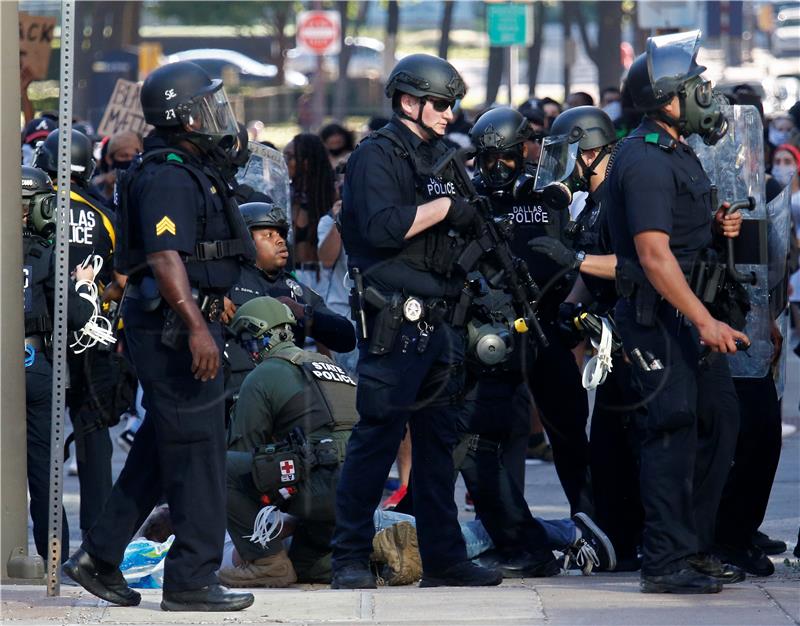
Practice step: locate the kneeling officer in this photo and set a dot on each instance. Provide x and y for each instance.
(287, 440)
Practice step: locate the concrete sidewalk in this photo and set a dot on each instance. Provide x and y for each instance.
(603, 599)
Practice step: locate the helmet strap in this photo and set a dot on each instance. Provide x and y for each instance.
(588, 170)
(431, 134)
(679, 123)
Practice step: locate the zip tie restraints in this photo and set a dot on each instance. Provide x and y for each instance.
(268, 525)
(98, 328)
(598, 367)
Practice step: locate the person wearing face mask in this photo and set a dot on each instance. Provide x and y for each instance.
(338, 142)
(399, 227)
(660, 218)
(120, 151)
(781, 129)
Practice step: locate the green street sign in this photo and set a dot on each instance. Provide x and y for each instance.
(510, 24)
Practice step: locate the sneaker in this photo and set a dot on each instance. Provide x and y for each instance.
(686, 580)
(273, 571)
(540, 452)
(394, 498)
(353, 576)
(125, 439)
(592, 549)
(710, 565)
(397, 549)
(542, 564)
(768, 544)
(751, 559)
(465, 574)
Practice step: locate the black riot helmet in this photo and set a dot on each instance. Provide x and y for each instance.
(265, 215)
(38, 201)
(183, 97)
(669, 68)
(424, 76)
(498, 136)
(81, 163)
(590, 123)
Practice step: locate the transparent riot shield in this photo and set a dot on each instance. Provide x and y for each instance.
(735, 166)
(266, 171)
(779, 230)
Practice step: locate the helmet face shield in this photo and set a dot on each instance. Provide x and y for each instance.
(211, 114)
(671, 60)
(557, 160)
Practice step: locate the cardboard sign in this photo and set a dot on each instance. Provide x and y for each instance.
(35, 43)
(124, 110)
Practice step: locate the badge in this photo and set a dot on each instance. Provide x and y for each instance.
(412, 309)
(295, 287)
(166, 225)
(287, 471)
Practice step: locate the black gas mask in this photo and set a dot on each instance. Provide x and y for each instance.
(500, 168)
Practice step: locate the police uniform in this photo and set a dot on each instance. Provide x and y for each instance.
(552, 376)
(409, 372)
(689, 416)
(323, 325)
(173, 202)
(39, 288)
(613, 446)
(92, 377)
(291, 388)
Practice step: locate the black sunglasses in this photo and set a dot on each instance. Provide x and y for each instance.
(440, 106)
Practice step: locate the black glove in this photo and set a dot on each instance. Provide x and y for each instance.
(556, 251)
(462, 214)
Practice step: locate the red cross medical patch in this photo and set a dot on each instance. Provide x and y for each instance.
(287, 471)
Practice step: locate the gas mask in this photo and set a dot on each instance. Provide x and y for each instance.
(498, 169)
(701, 112)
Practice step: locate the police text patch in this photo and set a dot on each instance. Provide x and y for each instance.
(329, 372)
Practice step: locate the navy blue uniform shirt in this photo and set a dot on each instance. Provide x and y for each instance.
(379, 203)
(658, 188)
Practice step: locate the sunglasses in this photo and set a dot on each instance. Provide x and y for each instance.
(440, 106)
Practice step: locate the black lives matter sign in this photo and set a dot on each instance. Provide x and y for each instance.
(35, 43)
(124, 110)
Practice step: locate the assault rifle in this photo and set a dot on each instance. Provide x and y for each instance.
(489, 243)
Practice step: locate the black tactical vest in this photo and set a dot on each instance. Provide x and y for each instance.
(35, 271)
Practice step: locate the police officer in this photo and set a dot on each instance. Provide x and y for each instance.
(183, 240)
(94, 375)
(39, 204)
(268, 277)
(612, 442)
(553, 377)
(399, 226)
(660, 218)
(289, 389)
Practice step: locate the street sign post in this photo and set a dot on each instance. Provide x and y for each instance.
(510, 25)
(319, 32)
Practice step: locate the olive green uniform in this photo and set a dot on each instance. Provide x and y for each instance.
(278, 395)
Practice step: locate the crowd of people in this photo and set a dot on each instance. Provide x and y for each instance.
(430, 297)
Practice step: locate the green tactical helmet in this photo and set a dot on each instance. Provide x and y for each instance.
(259, 316)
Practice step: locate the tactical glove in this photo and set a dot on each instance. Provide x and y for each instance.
(556, 251)
(462, 214)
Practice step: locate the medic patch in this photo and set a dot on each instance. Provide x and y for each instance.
(295, 287)
(330, 372)
(287, 471)
(166, 225)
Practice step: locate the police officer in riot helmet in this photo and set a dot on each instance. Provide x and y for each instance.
(181, 244)
(552, 375)
(296, 411)
(615, 489)
(267, 276)
(661, 221)
(94, 374)
(400, 226)
(39, 282)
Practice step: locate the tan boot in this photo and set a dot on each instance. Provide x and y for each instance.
(397, 547)
(275, 570)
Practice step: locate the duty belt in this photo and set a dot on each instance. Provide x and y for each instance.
(413, 308)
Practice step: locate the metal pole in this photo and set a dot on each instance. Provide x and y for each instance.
(513, 72)
(13, 503)
(60, 374)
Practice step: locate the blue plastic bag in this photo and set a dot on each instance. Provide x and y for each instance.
(143, 563)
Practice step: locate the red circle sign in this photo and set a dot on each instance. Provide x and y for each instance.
(317, 32)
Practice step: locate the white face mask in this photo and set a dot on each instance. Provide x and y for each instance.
(783, 174)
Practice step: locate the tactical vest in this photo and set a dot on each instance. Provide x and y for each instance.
(438, 247)
(131, 261)
(36, 270)
(335, 397)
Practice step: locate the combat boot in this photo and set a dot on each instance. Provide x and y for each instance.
(274, 571)
(710, 565)
(353, 576)
(397, 548)
(685, 580)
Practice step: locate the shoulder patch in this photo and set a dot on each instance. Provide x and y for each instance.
(165, 225)
(174, 157)
(651, 138)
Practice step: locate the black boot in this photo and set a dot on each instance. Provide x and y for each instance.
(465, 574)
(768, 544)
(710, 565)
(750, 558)
(209, 598)
(353, 576)
(522, 565)
(686, 580)
(100, 578)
